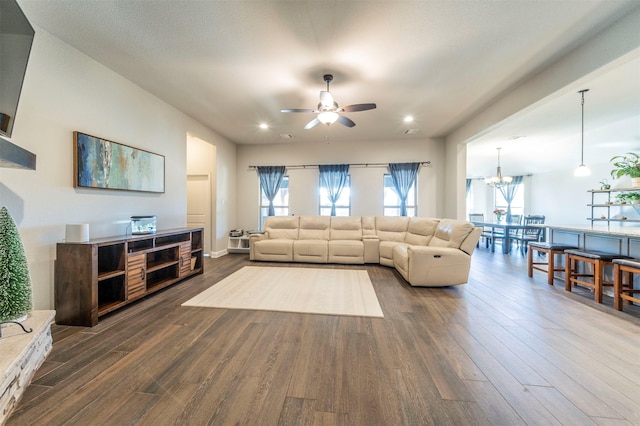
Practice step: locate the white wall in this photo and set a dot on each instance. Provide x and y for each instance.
(366, 182)
(563, 198)
(64, 90)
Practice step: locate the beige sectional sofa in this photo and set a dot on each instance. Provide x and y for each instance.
(425, 251)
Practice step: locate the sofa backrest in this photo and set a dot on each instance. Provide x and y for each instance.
(451, 233)
(282, 227)
(368, 226)
(314, 227)
(346, 228)
(391, 228)
(421, 230)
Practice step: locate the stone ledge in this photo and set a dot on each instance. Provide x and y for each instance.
(21, 354)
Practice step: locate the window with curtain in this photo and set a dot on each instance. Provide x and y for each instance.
(334, 189)
(517, 203)
(343, 203)
(280, 201)
(392, 200)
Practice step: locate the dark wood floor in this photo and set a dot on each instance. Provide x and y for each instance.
(503, 349)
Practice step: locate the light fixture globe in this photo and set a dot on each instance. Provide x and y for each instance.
(328, 117)
(581, 171)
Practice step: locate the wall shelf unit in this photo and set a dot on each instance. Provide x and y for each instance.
(102, 275)
(238, 244)
(603, 207)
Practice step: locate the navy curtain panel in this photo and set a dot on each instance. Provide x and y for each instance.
(270, 180)
(334, 178)
(403, 175)
(509, 191)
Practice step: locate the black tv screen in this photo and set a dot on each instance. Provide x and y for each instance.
(16, 38)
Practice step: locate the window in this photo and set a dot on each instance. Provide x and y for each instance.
(343, 205)
(392, 201)
(280, 201)
(517, 204)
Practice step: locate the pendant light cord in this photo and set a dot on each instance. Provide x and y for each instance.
(582, 141)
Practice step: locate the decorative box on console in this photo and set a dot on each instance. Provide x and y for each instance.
(142, 225)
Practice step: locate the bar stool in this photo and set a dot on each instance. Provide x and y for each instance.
(621, 290)
(598, 260)
(551, 250)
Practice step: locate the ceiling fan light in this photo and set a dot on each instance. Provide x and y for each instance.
(582, 170)
(328, 117)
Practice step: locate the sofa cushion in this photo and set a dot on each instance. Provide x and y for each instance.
(451, 233)
(314, 227)
(312, 251)
(346, 251)
(421, 230)
(346, 228)
(281, 227)
(274, 250)
(386, 251)
(391, 228)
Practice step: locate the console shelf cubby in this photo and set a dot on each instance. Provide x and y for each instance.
(102, 275)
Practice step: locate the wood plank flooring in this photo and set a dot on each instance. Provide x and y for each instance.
(503, 349)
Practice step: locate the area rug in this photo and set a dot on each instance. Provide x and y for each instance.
(302, 290)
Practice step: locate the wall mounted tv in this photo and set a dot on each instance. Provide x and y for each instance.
(16, 38)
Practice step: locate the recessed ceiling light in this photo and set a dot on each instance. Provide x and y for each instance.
(408, 119)
(264, 126)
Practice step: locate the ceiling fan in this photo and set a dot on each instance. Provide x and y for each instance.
(328, 110)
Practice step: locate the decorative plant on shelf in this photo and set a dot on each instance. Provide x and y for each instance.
(499, 213)
(15, 281)
(604, 185)
(622, 198)
(626, 165)
(633, 197)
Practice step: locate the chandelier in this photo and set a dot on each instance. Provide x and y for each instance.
(498, 180)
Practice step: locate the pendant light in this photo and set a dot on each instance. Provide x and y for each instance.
(582, 169)
(498, 180)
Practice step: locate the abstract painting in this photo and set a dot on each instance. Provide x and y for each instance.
(100, 163)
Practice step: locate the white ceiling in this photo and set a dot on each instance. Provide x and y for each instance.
(234, 64)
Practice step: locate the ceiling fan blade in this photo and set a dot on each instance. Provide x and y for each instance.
(312, 123)
(346, 121)
(326, 99)
(358, 107)
(297, 110)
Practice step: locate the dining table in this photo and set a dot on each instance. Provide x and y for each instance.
(501, 229)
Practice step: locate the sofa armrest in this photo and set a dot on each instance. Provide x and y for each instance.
(253, 238)
(436, 266)
(371, 248)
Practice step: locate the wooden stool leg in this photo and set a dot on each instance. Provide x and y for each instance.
(629, 286)
(551, 257)
(617, 287)
(530, 263)
(567, 273)
(597, 278)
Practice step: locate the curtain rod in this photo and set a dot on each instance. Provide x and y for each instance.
(313, 166)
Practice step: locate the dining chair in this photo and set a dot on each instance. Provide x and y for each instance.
(486, 232)
(529, 233)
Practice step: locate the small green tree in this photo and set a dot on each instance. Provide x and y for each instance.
(15, 281)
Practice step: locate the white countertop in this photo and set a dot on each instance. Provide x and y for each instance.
(622, 231)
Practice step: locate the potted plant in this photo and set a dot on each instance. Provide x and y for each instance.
(499, 213)
(622, 198)
(633, 197)
(627, 165)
